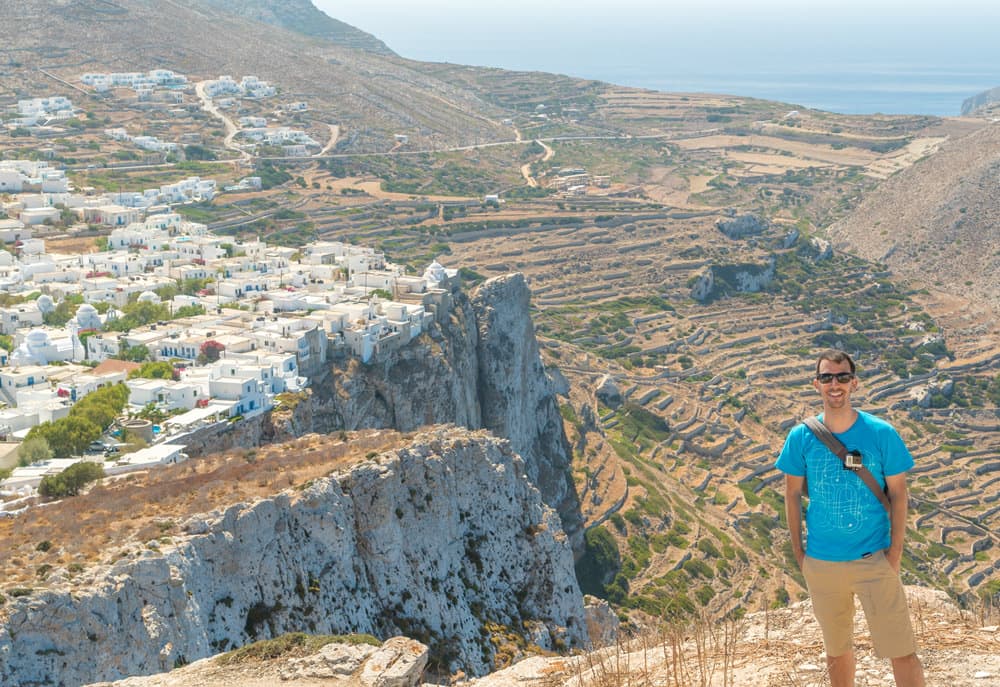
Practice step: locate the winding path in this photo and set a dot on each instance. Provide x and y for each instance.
(526, 167)
(210, 107)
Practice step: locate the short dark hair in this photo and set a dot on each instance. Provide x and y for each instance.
(835, 356)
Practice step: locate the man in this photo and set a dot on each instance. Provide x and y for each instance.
(853, 546)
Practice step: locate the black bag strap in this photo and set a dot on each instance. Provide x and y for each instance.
(824, 434)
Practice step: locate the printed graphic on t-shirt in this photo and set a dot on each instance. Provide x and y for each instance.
(843, 504)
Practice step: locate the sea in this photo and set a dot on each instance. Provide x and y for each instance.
(850, 57)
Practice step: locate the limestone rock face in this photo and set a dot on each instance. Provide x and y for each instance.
(430, 381)
(822, 248)
(478, 366)
(602, 623)
(703, 284)
(743, 226)
(400, 662)
(608, 392)
(516, 395)
(721, 280)
(433, 541)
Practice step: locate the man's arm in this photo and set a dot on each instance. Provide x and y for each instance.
(793, 513)
(899, 500)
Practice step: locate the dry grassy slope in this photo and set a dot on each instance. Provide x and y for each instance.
(938, 222)
(371, 96)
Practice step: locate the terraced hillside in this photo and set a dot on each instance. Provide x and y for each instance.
(678, 247)
(722, 380)
(680, 474)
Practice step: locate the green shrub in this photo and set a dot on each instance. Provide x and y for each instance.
(600, 562)
(86, 421)
(33, 450)
(153, 370)
(70, 481)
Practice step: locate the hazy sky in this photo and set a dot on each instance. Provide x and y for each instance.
(660, 44)
(452, 30)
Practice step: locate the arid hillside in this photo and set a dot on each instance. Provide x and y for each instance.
(937, 224)
(373, 95)
(302, 16)
(129, 520)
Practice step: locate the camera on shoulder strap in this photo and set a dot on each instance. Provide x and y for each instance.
(852, 461)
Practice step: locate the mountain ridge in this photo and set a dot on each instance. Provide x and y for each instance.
(303, 17)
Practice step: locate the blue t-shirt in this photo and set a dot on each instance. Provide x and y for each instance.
(845, 520)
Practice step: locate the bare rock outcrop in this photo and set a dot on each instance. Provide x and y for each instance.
(980, 100)
(608, 392)
(438, 541)
(516, 395)
(742, 226)
(478, 366)
(719, 280)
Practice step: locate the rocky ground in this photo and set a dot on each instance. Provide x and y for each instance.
(769, 649)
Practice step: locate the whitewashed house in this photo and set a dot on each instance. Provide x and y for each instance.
(246, 392)
(163, 393)
(80, 385)
(15, 317)
(13, 379)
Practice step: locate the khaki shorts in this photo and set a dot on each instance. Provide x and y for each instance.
(832, 587)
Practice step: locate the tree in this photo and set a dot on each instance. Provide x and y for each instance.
(138, 314)
(33, 451)
(62, 314)
(153, 370)
(166, 292)
(70, 481)
(193, 285)
(86, 421)
(85, 334)
(197, 152)
(600, 562)
(149, 412)
(189, 311)
(67, 436)
(102, 406)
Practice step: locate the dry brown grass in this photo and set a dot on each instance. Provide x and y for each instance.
(141, 507)
(698, 653)
(707, 653)
(73, 244)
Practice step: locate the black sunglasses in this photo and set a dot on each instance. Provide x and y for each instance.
(827, 377)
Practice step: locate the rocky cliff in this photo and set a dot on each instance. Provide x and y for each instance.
(478, 366)
(444, 540)
(980, 100)
(516, 395)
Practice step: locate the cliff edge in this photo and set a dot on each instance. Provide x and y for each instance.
(443, 540)
(478, 366)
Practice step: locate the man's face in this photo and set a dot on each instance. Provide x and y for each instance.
(835, 394)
